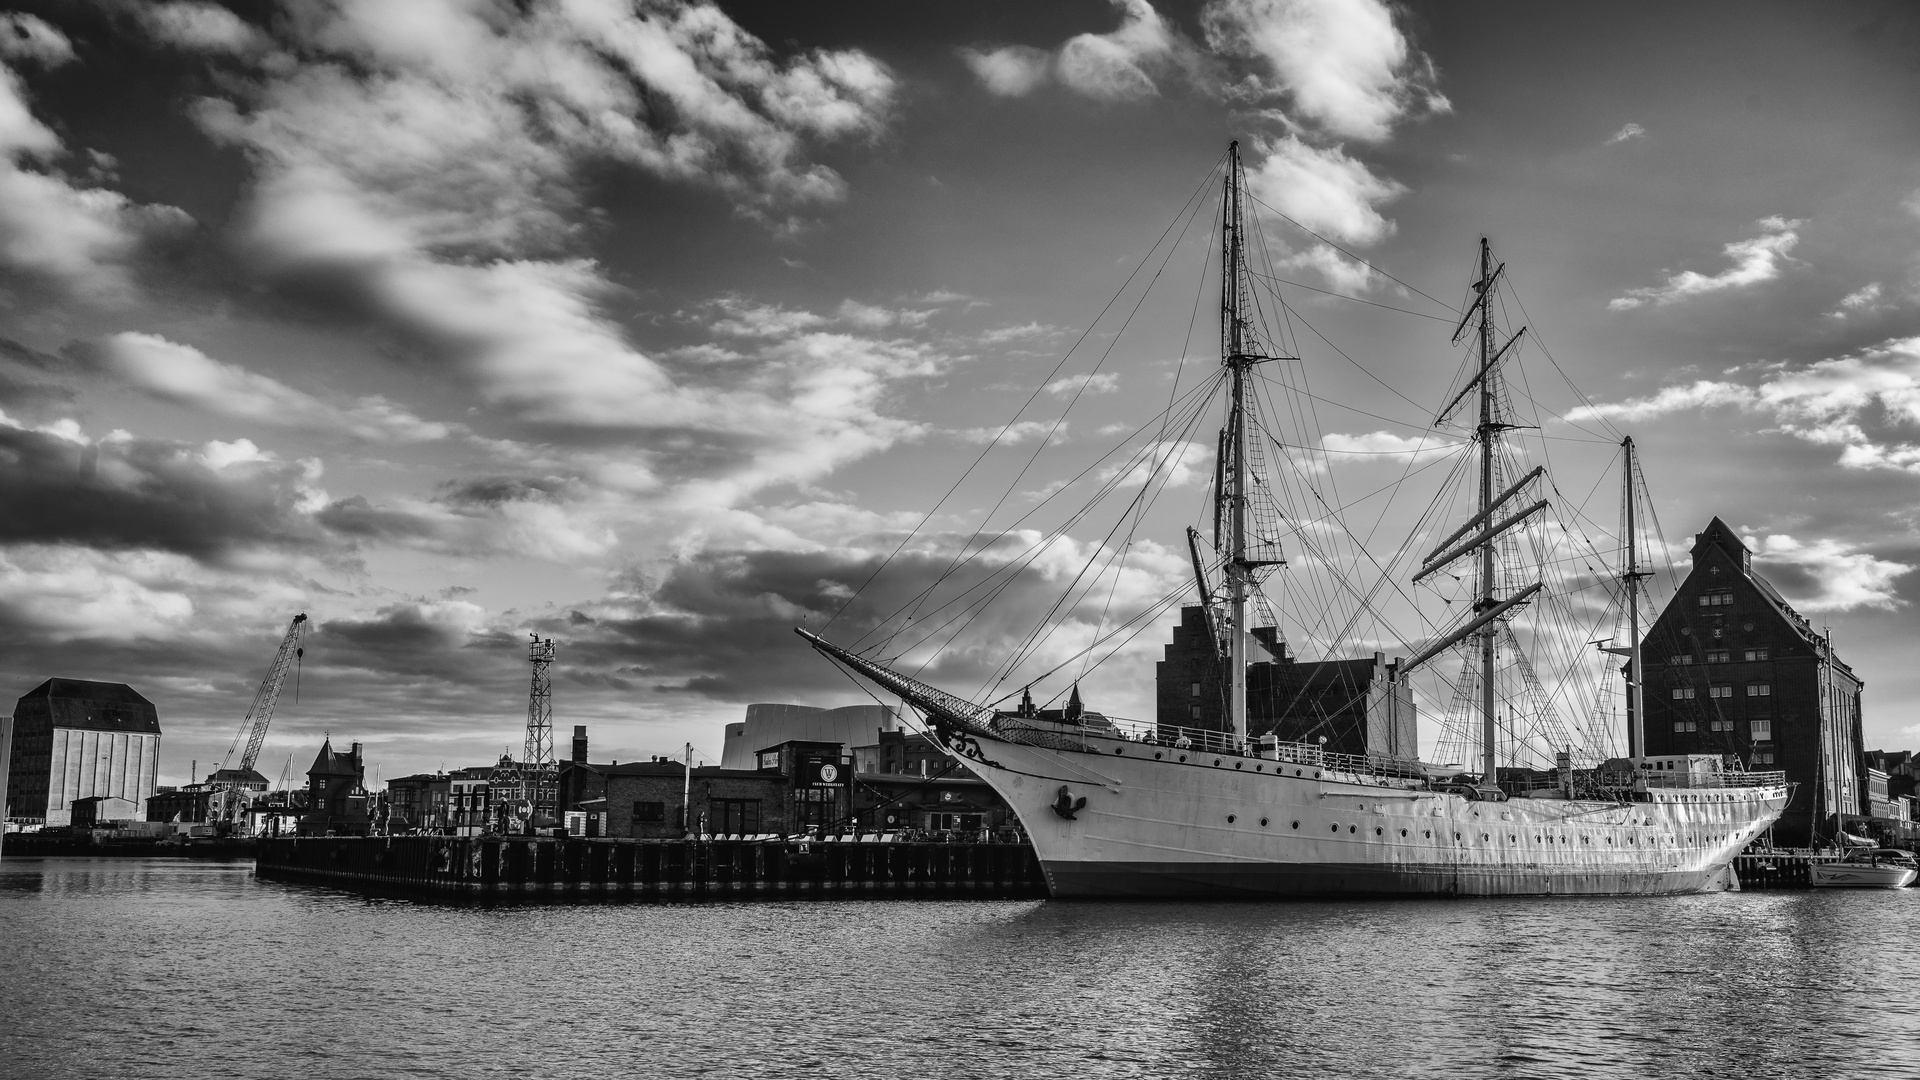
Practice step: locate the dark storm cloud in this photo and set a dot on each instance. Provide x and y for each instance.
(24, 377)
(722, 622)
(490, 491)
(132, 493)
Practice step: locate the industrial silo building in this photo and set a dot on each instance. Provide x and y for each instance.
(75, 739)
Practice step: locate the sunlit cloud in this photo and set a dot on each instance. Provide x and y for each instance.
(1755, 261)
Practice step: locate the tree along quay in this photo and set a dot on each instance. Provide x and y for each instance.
(573, 868)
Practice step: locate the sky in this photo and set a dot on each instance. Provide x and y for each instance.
(660, 329)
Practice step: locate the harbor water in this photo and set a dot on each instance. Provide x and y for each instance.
(161, 968)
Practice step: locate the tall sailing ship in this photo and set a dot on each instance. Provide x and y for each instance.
(1123, 809)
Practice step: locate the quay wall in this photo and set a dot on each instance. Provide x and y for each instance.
(572, 868)
(1778, 870)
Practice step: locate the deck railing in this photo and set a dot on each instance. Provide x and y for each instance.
(1088, 734)
(1202, 741)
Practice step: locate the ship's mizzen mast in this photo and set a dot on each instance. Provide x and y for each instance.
(1636, 700)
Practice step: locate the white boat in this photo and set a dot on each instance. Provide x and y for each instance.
(1125, 809)
(1875, 868)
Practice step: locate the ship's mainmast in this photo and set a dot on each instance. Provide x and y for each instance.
(1233, 495)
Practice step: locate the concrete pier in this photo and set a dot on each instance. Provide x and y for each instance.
(563, 869)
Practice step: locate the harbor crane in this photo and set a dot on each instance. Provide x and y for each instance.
(526, 792)
(231, 800)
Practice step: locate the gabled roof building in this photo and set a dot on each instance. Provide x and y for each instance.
(1732, 669)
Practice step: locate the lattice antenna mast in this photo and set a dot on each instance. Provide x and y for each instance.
(539, 773)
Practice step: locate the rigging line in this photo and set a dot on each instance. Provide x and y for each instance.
(1370, 267)
(975, 608)
(1039, 389)
(1081, 390)
(1197, 397)
(1548, 353)
(1180, 366)
(1363, 368)
(1344, 296)
(1042, 632)
(1198, 393)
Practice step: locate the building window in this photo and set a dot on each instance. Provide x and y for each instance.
(1680, 659)
(1196, 712)
(649, 811)
(1719, 657)
(1195, 692)
(1759, 689)
(1716, 633)
(1763, 758)
(1682, 693)
(1720, 691)
(1756, 654)
(1684, 725)
(1716, 600)
(1762, 730)
(1720, 725)
(733, 816)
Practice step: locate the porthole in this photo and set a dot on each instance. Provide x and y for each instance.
(1259, 768)
(1119, 749)
(1156, 755)
(1296, 824)
(1484, 838)
(1456, 836)
(1336, 827)
(1378, 831)
(1353, 828)
(1183, 757)
(1239, 764)
(1216, 763)
(1229, 819)
(1316, 776)
(1297, 772)
(1263, 823)
(1429, 834)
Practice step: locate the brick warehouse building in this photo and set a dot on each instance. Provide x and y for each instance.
(1345, 701)
(1732, 669)
(76, 739)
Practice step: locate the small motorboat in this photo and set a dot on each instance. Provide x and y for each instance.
(1873, 868)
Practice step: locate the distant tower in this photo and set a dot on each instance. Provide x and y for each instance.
(540, 773)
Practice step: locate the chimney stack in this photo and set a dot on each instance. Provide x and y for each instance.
(579, 744)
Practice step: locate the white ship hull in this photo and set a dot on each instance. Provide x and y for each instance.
(1858, 876)
(1224, 826)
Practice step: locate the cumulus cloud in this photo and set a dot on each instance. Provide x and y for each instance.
(1828, 575)
(1630, 131)
(1174, 463)
(199, 27)
(1100, 383)
(1867, 403)
(1343, 64)
(1386, 446)
(1862, 301)
(53, 229)
(29, 37)
(184, 375)
(1010, 70)
(1755, 260)
(210, 502)
(1323, 189)
(1119, 65)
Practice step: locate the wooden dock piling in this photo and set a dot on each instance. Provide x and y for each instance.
(573, 868)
